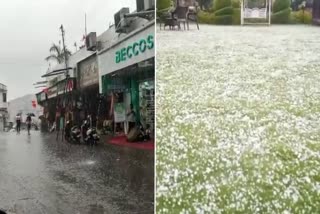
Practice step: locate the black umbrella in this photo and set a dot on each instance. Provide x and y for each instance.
(31, 115)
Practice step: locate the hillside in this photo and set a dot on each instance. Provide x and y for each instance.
(24, 105)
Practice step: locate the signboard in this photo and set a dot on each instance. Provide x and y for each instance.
(52, 92)
(89, 73)
(119, 113)
(134, 49)
(139, 47)
(60, 88)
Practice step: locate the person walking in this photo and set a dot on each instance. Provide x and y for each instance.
(18, 123)
(28, 122)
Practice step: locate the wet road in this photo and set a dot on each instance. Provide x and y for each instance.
(40, 175)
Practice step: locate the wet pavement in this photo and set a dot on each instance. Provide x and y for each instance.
(40, 175)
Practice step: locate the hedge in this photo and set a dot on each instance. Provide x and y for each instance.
(236, 16)
(224, 11)
(223, 20)
(163, 4)
(300, 17)
(282, 17)
(205, 17)
(219, 4)
(236, 3)
(280, 5)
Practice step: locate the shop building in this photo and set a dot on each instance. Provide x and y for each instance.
(127, 69)
(60, 97)
(88, 88)
(3, 106)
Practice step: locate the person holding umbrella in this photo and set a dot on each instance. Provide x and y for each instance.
(28, 122)
(18, 123)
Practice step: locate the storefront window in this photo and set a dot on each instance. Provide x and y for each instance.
(147, 102)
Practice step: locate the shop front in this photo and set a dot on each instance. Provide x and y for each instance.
(56, 99)
(88, 81)
(127, 75)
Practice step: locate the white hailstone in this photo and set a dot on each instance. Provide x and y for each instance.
(245, 92)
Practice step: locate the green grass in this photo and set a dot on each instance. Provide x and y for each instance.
(238, 120)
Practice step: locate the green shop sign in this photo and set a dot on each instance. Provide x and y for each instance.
(134, 49)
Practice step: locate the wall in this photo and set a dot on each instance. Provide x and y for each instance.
(72, 62)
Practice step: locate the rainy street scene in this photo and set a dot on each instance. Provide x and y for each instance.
(77, 107)
(41, 175)
(238, 112)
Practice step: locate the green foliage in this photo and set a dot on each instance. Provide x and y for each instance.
(58, 54)
(219, 4)
(163, 4)
(280, 5)
(300, 17)
(236, 16)
(205, 17)
(236, 3)
(281, 12)
(224, 11)
(223, 20)
(282, 17)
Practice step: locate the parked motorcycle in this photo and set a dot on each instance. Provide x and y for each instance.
(92, 137)
(75, 134)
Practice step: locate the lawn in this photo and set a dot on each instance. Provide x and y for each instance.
(238, 120)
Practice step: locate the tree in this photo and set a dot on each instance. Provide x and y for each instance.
(57, 54)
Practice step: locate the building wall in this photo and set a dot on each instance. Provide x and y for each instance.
(3, 107)
(72, 62)
(108, 53)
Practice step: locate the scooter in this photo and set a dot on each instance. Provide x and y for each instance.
(75, 134)
(92, 137)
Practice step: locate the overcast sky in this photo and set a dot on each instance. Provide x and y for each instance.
(28, 28)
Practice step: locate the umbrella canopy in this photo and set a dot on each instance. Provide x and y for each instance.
(31, 114)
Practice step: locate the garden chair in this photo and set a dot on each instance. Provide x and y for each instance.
(192, 15)
(180, 14)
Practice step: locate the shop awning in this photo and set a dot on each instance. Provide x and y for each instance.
(57, 72)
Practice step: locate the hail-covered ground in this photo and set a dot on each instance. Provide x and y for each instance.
(238, 120)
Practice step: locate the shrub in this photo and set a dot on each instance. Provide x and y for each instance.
(163, 4)
(219, 4)
(298, 17)
(223, 20)
(205, 17)
(224, 11)
(236, 3)
(236, 17)
(281, 12)
(282, 17)
(280, 5)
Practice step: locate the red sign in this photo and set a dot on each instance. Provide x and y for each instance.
(34, 104)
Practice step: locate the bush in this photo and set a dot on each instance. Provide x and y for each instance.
(223, 20)
(224, 11)
(281, 12)
(205, 17)
(163, 4)
(236, 17)
(219, 4)
(298, 17)
(280, 5)
(236, 3)
(282, 17)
